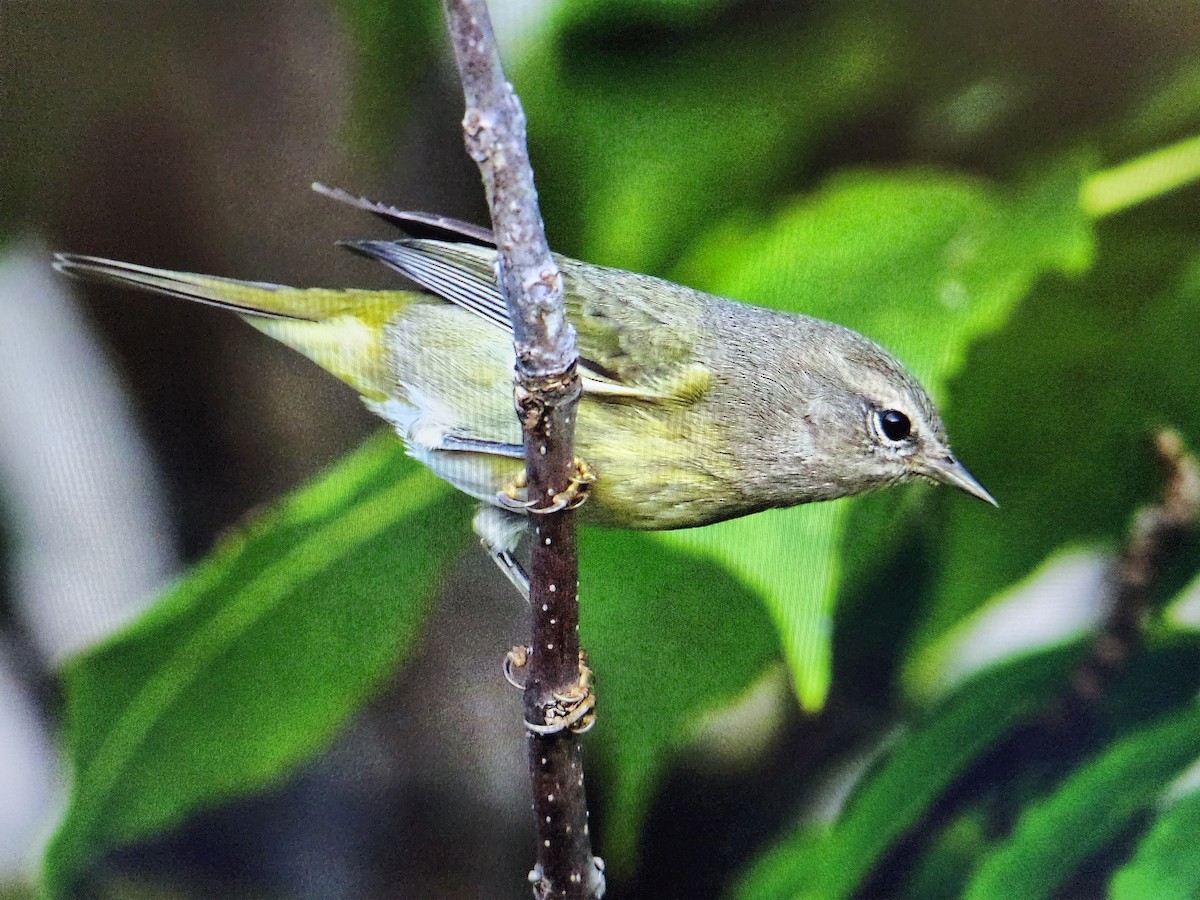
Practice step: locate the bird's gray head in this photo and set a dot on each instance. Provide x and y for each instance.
(861, 420)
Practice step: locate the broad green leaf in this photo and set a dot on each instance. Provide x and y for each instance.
(922, 262)
(791, 559)
(1090, 809)
(631, 161)
(251, 662)
(1057, 414)
(1166, 865)
(900, 789)
(671, 637)
(789, 870)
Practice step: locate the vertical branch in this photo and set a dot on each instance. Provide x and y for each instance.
(546, 393)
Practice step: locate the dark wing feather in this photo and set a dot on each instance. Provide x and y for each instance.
(467, 285)
(418, 224)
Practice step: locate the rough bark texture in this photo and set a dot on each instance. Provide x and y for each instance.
(546, 392)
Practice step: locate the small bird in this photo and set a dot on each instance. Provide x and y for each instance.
(694, 408)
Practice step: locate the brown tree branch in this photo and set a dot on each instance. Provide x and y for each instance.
(546, 393)
(1154, 537)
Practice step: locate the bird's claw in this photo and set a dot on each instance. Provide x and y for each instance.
(572, 497)
(514, 659)
(574, 710)
(507, 498)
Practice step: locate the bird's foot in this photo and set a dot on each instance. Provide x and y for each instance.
(572, 497)
(514, 660)
(574, 709)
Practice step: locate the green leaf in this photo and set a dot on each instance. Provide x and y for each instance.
(952, 855)
(789, 870)
(924, 263)
(791, 559)
(1091, 808)
(671, 636)
(583, 13)
(1056, 417)
(900, 789)
(1166, 865)
(630, 164)
(250, 663)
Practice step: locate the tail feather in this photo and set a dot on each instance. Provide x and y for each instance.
(247, 297)
(340, 330)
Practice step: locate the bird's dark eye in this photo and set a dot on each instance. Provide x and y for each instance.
(895, 424)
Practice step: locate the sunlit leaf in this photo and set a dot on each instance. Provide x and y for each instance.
(1166, 865)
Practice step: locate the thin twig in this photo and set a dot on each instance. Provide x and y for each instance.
(547, 389)
(1155, 535)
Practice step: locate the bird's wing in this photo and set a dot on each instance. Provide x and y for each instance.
(636, 333)
(416, 224)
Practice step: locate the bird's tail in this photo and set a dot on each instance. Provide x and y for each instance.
(340, 330)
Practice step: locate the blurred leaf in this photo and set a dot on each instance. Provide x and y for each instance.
(1171, 109)
(640, 141)
(1166, 865)
(1056, 418)
(924, 263)
(789, 870)
(394, 45)
(1091, 808)
(901, 788)
(953, 854)
(921, 262)
(1183, 613)
(789, 558)
(250, 664)
(1061, 601)
(672, 636)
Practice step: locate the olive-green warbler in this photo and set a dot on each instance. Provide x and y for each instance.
(694, 408)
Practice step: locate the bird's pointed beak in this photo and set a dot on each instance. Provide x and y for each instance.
(949, 470)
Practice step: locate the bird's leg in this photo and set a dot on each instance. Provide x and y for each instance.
(512, 569)
(508, 496)
(574, 496)
(574, 709)
(500, 532)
